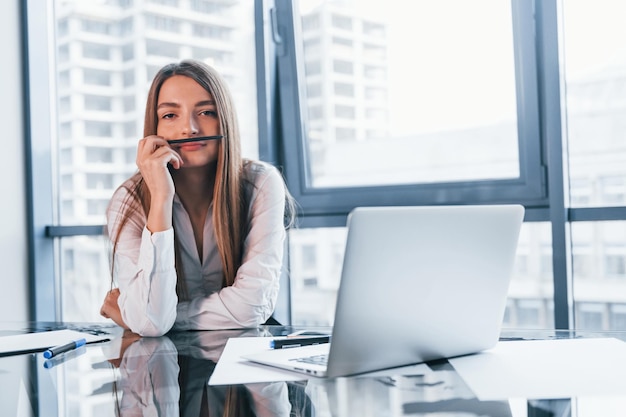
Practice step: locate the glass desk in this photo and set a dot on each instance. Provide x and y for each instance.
(167, 376)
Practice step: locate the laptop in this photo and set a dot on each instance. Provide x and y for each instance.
(417, 284)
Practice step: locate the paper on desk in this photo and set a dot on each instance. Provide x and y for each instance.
(33, 342)
(232, 369)
(537, 369)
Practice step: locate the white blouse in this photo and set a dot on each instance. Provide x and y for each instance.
(145, 273)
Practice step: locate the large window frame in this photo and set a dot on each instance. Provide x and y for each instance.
(529, 189)
(541, 188)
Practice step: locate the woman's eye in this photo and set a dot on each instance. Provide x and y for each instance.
(167, 116)
(211, 113)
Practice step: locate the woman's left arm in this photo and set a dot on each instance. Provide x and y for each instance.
(251, 299)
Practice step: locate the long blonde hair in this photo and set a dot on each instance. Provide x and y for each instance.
(229, 207)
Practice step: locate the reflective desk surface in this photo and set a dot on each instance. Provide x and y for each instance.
(167, 376)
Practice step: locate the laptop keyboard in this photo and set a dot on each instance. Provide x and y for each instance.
(321, 359)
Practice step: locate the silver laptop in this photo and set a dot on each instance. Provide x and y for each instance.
(418, 284)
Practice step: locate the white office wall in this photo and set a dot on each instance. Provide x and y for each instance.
(13, 238)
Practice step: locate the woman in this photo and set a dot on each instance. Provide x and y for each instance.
(197, 234)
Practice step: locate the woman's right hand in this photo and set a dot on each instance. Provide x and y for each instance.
(111, 310)
(153, 156)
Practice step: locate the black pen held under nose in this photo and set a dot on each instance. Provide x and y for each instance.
(194, 139)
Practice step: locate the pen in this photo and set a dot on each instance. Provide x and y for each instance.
(298, 341)
(58, 360)
(200, 138)
(57, 350)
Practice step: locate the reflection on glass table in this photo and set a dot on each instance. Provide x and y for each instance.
(168, 376)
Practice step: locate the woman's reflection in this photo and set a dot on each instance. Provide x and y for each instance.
(148, 377)
(168, 376)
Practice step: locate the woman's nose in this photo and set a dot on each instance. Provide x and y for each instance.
(191, 126)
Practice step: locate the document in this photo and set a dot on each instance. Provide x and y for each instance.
(39, 341)
(233, 369)
(560, 368)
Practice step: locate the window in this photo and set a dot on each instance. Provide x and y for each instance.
(596, 99)
(374, 29)
(344, 89)
(314, 90)
(170, 3)
(311, 44)
(65, 105)
(130, 155)
(311, 22)
(529, 314)
(612, 190)
(128, 78)
(160, 48)
(162, 23)
(316, 267)
(102, 102)
(66, 157)
(582, 262)
(591, 316)
(64, 53)
(98, 129)
(343, 67)
(430, 141)
(65, 130)
(615, 264)
(309, 258)
(595, 103)
(208, 7)
(98, 103)
(129, 103)
(131, 129)
(96, 51)
(457, 117)
(62, 27)
(341, 22)
(128, 52)
(95, 26)
(211, 32)
(316, 113)
(470, 132)
(63, 79)
(345, 42)
(345, 112)
(96, 77)
(618, 317)
(100, 181)
(98, 155)
(313, 68)
(373, 72)
(345, 133)
(125, 26)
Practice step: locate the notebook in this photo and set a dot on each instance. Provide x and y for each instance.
(417, 284)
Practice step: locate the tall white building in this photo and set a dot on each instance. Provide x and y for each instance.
(345, 58)
(107, 54)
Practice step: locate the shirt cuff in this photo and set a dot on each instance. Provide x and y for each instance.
(161, 243)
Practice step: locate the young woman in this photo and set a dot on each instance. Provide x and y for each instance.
(197, 234)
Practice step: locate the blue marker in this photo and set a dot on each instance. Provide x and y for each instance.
(58, 360)
(57, 350)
